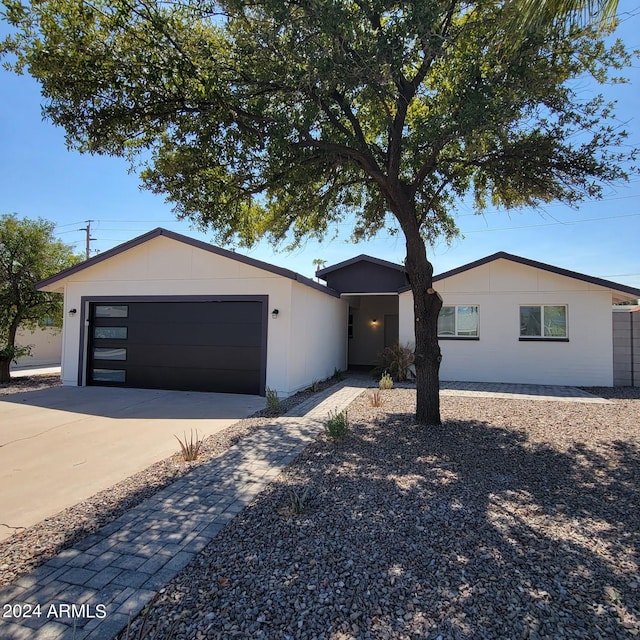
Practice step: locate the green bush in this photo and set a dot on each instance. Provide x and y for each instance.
(337, 425)
(273, 402)
(386, 381)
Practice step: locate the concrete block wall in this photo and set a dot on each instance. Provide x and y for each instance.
(626, 348)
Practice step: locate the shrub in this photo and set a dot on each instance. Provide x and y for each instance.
(273, 402)
(397, 361)
(190, 448)
(337, 374)
(375, 397)
(298, 500)
(315, 386)
(337, 425)
(386, 381)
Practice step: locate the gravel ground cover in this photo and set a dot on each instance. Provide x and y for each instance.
(28, 548)
(515, 519)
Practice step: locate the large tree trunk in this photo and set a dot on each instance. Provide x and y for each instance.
(426, 306)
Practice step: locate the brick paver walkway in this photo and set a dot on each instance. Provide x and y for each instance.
(90, 591)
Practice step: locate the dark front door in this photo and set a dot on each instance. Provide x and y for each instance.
(187, 345)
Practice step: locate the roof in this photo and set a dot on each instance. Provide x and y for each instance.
(178, 237)
(361, 258)
(501, 255)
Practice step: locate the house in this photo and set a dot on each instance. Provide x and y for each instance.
(167, 311)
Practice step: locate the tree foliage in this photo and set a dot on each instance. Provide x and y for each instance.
(28, 253)
(281, 118)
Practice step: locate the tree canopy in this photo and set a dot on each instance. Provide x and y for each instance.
(280, 118)
(29, 253)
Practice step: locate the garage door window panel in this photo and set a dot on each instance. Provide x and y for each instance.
(110, 353)
(110, 333)
(113, 376)
(112, 311)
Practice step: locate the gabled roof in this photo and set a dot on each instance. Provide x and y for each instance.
(364, 275)
(361, 258)
(501, 255)
(178, 237)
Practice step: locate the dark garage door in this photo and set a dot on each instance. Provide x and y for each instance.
(198, 346)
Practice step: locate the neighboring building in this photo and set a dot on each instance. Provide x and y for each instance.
(626, 346)
(46, 347)
(167, 311)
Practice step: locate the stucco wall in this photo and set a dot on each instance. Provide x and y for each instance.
(46, 347)
(163, 266)
(318, 330)
(498, 289)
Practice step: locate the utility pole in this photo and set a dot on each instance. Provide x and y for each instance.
(87, 230)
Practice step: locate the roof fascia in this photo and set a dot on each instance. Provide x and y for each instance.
(135, 242)
(361, 258)
(607, 284)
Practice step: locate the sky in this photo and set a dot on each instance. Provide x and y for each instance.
(39, 177)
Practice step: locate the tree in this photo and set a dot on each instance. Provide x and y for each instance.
(280, 118)
(28, 253)
(537, 13)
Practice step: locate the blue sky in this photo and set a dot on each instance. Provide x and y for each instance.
(40, 177)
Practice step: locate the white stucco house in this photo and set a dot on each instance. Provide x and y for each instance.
(167, 311)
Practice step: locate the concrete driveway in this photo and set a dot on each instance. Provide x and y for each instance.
(60, 446)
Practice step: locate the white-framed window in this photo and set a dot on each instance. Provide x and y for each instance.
(543, 321)
(459, 321)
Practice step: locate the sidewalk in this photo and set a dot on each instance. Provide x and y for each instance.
(90, 591)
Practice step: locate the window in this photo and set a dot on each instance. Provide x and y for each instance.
(109, 353)
(112, 311)
(350, 326)
(459, 321)
(110, 333)
(109, 375)
(543, 321)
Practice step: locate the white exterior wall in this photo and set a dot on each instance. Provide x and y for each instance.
(163, 266)
(318, 329)
(499, 288)
(46, 347)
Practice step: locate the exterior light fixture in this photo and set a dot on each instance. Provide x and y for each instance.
(72, 312)
(374, 321)
(274, 313)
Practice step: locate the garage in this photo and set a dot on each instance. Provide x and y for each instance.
(183, 343)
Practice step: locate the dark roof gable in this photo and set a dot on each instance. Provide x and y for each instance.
(361, 258)
(178, 237)
(364, 274)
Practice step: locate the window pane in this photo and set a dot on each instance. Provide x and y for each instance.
(467, 321)
(530, 321)
(108, 375)
(110, 333)
(555, 321)
(109, 354)
(111, 311)
(447, 321)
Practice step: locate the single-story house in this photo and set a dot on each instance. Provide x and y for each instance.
(167, 311)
